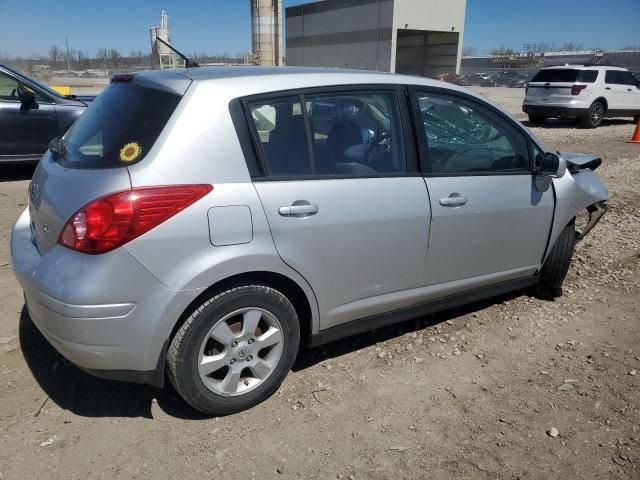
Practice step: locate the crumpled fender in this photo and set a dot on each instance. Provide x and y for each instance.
(579, 161)
(574, 192)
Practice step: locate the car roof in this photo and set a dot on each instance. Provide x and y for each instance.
(270, 79)
(585, 67)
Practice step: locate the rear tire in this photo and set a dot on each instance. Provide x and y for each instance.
(225, 358)
(556, 266)
(537, 119)
(594, 115)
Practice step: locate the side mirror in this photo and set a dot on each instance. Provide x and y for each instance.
(549, 167)
(26, 97)
(553, 166)
(54, 146)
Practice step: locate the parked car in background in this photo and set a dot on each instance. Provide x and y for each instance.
(31, 114)
(473, 79)
(506, 78)
(448, 77)
(586, 93)
(207, 221)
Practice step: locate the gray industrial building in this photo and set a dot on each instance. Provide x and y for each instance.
(419, 37)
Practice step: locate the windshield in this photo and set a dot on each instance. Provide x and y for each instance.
(568, 75)
(119, 127)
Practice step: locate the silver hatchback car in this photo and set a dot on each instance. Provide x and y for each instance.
(202, 223)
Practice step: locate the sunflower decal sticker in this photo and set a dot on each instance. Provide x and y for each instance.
(130, 152)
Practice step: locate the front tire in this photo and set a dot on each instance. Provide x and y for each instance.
(594, 115)
(556, 266)
(235, 350)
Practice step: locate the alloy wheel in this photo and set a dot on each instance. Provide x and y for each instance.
(597, 113)
(240, 351)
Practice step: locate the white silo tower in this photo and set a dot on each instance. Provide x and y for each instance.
(162, 54)
(266, 32)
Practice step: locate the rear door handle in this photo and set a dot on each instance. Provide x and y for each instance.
(607, 88)
(453, 200)
(299, 211)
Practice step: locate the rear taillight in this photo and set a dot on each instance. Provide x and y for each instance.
(576, 89)
(113, 220)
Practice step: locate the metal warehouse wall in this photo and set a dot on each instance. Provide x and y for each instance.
(340, 33)
(423, 37)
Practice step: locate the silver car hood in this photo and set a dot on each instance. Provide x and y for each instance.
(578, 161)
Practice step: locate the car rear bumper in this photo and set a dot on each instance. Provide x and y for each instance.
(105, 313)
(554, 111)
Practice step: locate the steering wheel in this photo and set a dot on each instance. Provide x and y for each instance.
(464, 152)
(382, 144)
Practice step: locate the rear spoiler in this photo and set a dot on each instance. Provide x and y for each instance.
(580, 161)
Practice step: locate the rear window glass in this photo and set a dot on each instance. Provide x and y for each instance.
(565, 75)
(119, 127)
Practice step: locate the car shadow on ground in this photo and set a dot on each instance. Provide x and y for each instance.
(88, 396)
(570, 123)
(14, 172)
(309, 357)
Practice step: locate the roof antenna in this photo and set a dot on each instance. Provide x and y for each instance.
(188, 63)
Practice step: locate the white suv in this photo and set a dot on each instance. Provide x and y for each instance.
(587, 93)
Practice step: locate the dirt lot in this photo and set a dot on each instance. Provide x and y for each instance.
(470, 393)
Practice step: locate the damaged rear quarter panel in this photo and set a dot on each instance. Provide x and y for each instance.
(574, 192)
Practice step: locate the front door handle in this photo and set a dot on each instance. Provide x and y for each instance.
(299, 211)
(607, 88)
(453, 200)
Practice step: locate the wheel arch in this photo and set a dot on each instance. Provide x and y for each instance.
(304, 305)
(604, 101)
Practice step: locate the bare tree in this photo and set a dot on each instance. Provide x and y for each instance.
(570, 46)
(138, 56)
(469, 51)
(541, 47)
(115, 57)
(83, 59)
(102, 54)
(502, 51)
(55, 55)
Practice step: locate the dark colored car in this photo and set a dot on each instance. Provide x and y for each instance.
(507, 78)
(31, 114)
(472, 79)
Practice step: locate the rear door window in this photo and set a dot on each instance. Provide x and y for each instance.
(279, 124)
(356, 133)
(346, 134)
(613, 77)
(565, 75)
(119, 128)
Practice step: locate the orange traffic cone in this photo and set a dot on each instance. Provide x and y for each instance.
(636, 134)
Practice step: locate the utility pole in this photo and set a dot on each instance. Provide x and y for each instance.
(66, 40)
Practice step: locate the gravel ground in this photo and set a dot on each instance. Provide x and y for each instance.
(513, 387)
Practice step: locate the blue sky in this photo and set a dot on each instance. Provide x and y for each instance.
(31, 26)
